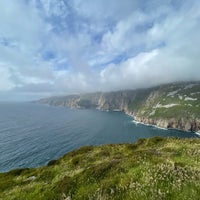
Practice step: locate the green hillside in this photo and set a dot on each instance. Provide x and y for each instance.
(173, 101)
(155, 168)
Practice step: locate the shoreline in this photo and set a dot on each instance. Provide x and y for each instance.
(197, 133)
(158, 127)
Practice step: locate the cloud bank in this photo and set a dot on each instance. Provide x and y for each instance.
(50, 47)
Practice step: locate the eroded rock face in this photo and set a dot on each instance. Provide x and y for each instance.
(182, 124)
(114, 101)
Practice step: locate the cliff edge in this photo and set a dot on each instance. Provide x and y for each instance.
(155, 168)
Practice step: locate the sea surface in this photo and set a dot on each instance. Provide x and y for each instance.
(32, 134)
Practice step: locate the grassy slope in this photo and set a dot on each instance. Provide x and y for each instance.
(153, 168)
(163, 95)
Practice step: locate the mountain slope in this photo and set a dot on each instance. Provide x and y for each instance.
(174, 105)
(156, 168)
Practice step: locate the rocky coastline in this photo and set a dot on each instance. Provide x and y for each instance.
(179, 124)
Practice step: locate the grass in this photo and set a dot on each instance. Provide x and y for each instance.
(185, 109)
(155, 168)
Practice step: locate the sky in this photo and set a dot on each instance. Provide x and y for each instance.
(51, 47)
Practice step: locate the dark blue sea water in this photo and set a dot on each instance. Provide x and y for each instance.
(33, 134)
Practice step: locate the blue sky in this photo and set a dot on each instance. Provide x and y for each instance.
(50, 47)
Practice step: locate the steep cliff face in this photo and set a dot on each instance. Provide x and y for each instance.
(106, 101)
(174, 123)
(173, 106)
(115, 100)
(168, 106)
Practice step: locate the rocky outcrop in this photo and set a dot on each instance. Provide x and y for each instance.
(192, 125)
(115, 100)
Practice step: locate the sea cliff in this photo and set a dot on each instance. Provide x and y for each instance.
(173, 123)
(175, 105)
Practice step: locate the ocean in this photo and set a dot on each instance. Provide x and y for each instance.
(32, 134)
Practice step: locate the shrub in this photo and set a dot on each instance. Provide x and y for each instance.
(155, 140)
(67, 186)
(76, 160)
(17, 172)
(53, 162)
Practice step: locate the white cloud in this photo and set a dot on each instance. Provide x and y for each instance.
(132, 73)
(105, 10)
(5, 81)
(52, 47)
(124, 37)
(175, 60)
(22, 23)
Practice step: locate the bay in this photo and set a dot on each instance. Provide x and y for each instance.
(32, 134)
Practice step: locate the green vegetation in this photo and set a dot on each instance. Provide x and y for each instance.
(139, 99)
(156, 168)
(180, 101)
